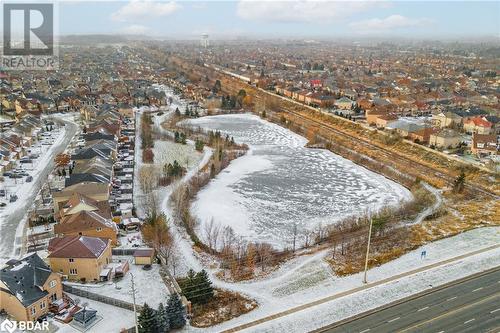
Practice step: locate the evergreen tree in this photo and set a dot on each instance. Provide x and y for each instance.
(212, 171)
(203, 288)
(177, 112)
(176, 312)
(187, 113)
(162, 320)
(198, 145)
(459, 183)
(147, 320)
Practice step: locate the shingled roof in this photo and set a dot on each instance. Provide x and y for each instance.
(83, 220)
(77, 247)
(25, 279)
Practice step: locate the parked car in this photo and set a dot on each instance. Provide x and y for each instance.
(29, 179)
(7, 174)
(2, 193)
(13, 198)
(15, 175)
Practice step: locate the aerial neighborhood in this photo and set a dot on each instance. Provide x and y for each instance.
(206, 186)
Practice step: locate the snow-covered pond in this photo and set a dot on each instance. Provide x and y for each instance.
(280, 183)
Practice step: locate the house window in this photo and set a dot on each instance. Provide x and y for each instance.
(33, 310)
(71, 260)
(73, 271)
(52, 283)
(43, 305)
(53, 297)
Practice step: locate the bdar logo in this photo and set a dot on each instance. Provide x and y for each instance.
(8, 326)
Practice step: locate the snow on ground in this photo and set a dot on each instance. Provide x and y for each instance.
(19, 186)
(114, 319)
(309, 278)
(149, 284)
(280, 183)
(13, 217)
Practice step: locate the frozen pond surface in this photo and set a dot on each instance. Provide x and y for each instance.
(281, 183)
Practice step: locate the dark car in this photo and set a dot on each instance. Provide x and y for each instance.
(7, 174)
(29, 179)
(147, 267)
(2, 193)
(15, 175)
(13, 198)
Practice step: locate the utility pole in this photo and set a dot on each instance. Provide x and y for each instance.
(133, 298)
(368, 249)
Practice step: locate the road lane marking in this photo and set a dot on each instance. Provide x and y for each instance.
(451, 299)
(468, 321)
(364, 331)
(495, 310)
(477, 289)
(450, 312)
(422, 309)
(441, 332)
(393, 319)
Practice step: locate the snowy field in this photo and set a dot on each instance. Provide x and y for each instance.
(280, 183)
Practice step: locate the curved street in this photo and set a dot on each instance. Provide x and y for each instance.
(10, 239)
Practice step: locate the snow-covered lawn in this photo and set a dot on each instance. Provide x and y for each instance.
(280, 184)
(149, 285)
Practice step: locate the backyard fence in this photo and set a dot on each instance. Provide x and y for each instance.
(100, 298)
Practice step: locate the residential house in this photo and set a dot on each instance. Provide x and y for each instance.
(28, 287)
(80, 257)
(383, 120)
(478, 125)
(87, 223)
(446, 138)
(95, 191)
(446, 119)
(484, 144)
(344, 103)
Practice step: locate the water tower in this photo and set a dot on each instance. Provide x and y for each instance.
(204, 40)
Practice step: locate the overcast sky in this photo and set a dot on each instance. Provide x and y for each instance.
(188, 19)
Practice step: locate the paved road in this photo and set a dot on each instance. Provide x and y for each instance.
(470, 306)
(8, 240)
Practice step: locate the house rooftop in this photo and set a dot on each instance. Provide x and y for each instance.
(25, 278)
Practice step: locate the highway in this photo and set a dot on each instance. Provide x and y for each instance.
(469, 306)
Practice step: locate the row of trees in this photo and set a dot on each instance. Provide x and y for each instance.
(171, 317)
(146, 131)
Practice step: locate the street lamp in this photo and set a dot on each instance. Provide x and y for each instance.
(368, 249)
